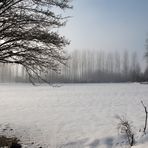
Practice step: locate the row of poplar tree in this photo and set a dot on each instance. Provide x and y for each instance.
(87, 66)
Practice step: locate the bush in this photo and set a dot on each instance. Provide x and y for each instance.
(9, 142)
(125, 128)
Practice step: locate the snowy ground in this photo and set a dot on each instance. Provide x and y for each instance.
(71, 116)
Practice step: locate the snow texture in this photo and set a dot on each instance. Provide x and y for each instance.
(72, 115)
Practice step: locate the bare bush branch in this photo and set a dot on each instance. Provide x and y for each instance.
(126, 128)
(146, 113)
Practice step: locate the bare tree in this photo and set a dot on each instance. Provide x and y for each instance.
(27, 36)
(109, 63)
(146, 54)
(126, 65)
(117, 63)
(146, 57)
(135, 67)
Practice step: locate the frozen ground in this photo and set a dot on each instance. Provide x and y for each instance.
(71, 116)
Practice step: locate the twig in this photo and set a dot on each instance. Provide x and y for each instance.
(146, 113)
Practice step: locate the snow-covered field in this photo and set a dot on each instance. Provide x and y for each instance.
(72, 115)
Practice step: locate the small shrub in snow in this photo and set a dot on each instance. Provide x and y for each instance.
(125, 128)
(9, 142)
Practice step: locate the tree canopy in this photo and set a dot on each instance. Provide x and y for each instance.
(28, 36)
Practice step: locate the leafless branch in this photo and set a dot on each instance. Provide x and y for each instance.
(26, 35)
(146, 113)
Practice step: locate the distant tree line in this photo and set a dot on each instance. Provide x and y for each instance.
(99, 66)
(87, 66)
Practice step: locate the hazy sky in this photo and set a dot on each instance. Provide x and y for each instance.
(108, 25)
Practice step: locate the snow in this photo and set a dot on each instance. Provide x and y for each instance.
(72, 115)
(141, 146)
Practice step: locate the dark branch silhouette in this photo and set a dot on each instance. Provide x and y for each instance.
(146, 112)
(27, 36)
